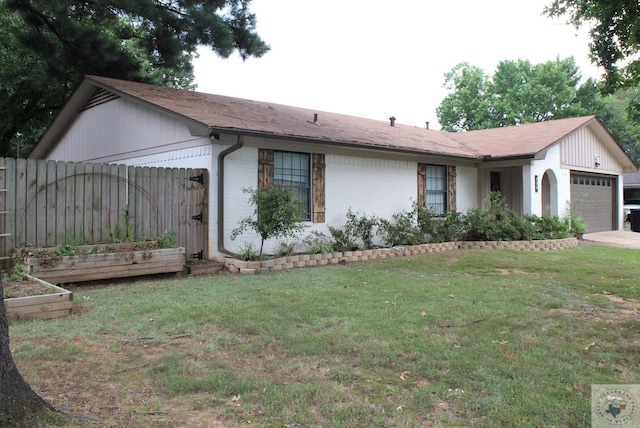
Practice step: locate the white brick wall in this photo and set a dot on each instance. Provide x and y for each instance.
(372, 186)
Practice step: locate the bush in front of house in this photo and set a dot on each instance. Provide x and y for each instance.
(276, 214)
(358, 232)
(450, 227)
(494, 222)
(549, 227)
(318, 243)
(407, 227)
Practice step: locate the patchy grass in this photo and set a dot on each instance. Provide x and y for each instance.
(492, 338)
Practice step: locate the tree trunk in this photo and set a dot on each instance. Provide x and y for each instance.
(20, 406)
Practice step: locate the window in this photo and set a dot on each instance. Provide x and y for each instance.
(631, 196)
(495, 179)
(436, 188)
(303, 172)
(293, 170)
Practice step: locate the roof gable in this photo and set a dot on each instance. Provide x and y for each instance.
(528, 139)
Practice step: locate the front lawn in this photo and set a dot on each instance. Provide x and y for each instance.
(466, 338)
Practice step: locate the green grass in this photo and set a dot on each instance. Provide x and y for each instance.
(487, 339)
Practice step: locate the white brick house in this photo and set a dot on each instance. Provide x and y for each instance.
(338, 162)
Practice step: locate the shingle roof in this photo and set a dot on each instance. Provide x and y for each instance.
(235, 114)
(264, 118)
(632, 179)
(527, 139)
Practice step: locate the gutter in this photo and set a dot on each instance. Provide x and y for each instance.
(237, 146)
(269, 135)
(489, 158)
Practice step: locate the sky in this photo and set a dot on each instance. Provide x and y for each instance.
(377, 59)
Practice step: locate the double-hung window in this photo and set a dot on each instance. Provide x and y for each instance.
(292, 170)
(436, 189)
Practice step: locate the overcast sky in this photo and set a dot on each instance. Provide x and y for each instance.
(376, 59)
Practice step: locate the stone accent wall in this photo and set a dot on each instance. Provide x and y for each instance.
(312, 260)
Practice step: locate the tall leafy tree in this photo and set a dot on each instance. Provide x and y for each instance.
(615, 36)
(526, 93)
(615, 116)
(45, 49)
(518, 92)
(47, 46)
(469, 104)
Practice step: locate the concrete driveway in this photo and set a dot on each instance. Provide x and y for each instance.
(616, 238)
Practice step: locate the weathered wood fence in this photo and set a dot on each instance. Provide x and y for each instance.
(47, 203)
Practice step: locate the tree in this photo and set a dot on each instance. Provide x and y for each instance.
(19, 404)
(526, 93)
(277, 213)
(518, 92)
(614, 33)
(48, 46)
(615, 116)
(45, 49)
(470, 102)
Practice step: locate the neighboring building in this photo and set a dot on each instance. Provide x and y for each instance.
(631, 192)
(338, 162)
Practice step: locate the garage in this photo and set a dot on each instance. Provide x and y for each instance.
(594, 199)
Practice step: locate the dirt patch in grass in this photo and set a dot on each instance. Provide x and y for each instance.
(114, 388)
(511, 272)
(624, 310)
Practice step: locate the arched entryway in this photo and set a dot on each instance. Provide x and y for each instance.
(549, 192)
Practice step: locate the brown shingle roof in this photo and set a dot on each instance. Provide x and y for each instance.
(521, 140)
(234, 114)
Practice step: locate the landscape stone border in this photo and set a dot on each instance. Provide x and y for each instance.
(313, 260)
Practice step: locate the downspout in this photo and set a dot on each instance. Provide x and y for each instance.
(237, 146)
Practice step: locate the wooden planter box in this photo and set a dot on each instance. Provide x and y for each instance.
(55, 305)
(107, 265)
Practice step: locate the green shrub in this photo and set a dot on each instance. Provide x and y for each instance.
(401, 231)
(276, 214)
(318, 243)
(496, 222)
(426, 220)
(166, 240)
(526, 230)
(451, 227)
(360, 227)
(342, 240)
(248, 252)
(357, 232)
(284, 248)
(548, 227)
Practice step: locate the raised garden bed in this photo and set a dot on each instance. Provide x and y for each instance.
(97, 262)
(45, 300)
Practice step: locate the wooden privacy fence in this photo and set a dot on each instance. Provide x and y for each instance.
(46, 203)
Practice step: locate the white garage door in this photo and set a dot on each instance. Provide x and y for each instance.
(594, 200)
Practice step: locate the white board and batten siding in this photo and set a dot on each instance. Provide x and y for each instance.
(581, 149)
(121, 129)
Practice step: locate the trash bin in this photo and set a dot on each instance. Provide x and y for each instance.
(634, 219)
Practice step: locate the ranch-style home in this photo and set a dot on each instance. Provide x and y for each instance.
(337, 162)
